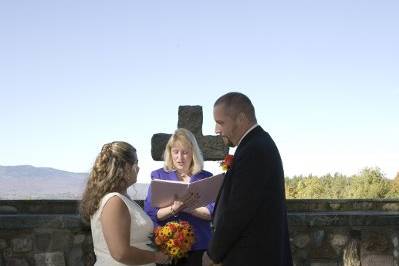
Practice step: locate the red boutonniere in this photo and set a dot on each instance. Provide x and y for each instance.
(227, 162)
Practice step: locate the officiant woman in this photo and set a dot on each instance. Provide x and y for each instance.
(183, 161)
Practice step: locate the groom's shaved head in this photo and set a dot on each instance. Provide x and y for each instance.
(236, 103)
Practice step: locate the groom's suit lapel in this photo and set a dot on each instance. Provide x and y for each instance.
(229, 172)
(214, 214)
(226, 176)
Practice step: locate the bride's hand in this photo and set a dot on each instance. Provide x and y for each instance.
(161, 258)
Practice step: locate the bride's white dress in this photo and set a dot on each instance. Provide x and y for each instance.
(140, 228)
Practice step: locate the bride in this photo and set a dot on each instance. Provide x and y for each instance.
(119, 227)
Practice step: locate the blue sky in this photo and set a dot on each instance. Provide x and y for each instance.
(323, 76)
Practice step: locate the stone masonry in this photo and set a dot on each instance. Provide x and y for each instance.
(322, 233)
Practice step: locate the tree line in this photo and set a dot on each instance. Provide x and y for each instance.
(369, 183)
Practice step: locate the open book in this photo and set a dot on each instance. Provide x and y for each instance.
(163, 191)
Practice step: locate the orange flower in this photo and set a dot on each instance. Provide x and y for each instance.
(174, 238)
(158, 240)
(227, 162)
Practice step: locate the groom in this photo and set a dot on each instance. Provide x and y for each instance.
(250, 218)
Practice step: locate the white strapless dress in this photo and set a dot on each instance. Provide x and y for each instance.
(140, 228)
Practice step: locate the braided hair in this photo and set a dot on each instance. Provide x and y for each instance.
(107, 175)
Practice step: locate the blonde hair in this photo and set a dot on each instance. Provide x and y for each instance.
(186, 138)
(107, 175)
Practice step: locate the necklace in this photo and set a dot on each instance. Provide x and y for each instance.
(183, 177)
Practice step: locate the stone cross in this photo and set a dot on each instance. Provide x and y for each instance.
(190, 117)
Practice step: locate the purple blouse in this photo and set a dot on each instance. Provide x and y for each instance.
(201, 227)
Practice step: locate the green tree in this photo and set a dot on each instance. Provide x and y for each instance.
(369, 184)
(394, 188)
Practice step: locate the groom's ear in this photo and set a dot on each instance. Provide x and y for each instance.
(241, 118)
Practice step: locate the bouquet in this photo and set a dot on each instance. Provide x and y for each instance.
(227, 162)
(174, 239)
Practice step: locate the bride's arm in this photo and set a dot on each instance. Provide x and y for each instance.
(115, 221)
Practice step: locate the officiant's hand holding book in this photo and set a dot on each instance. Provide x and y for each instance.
(189, 201)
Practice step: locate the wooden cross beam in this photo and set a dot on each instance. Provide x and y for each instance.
(190, 117)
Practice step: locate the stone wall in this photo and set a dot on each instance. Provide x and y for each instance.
(344, 232)
(47, 232)
(322, 232)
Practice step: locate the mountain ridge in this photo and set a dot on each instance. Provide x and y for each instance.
(33, 171)
(30, 182)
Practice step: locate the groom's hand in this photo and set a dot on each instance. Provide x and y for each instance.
(206, 261)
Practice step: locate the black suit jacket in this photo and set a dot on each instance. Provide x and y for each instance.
(250, 220)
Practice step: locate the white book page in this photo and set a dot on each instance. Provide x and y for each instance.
(163, 191)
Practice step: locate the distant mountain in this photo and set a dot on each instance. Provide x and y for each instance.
(26, 171)
(30, 182)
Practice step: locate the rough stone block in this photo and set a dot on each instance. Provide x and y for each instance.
(325, 252)
(43, 241)
(190, 117)
(8, 210)
(395, 240)
(50, 259)
(301, 240)
(21, 244)
(61, 240)
(16, 262)
(7, 253)
(78, 239)
(323, 263)
(3, 244)
(335, 206)
(374, 242)
(301, 256)
(380, 260)
(391, 207)
(363, 205)
(75, 257)
(317, 237)
(338, 241)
